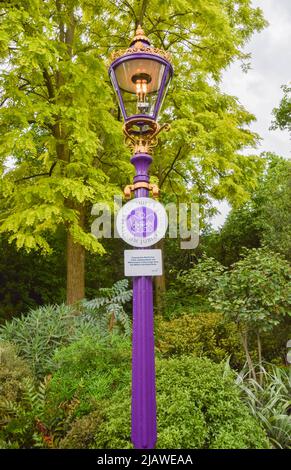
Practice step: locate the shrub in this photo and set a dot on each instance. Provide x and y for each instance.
(82, 432)
(39, 333)
(23, 420)
(203, 277)
(198, 407)
(87, 372)
(12, 372)
(270, 402)
(21, 402)
(178, 302)
(256, 295)
(205, 334)
(107, 309)
(92, 367)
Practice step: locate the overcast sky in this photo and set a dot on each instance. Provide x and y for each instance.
(259, 89)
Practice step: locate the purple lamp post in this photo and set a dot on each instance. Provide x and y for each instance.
(140, 76)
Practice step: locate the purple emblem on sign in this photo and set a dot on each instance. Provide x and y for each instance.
(142, 222)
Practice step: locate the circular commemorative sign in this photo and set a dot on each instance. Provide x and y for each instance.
(142, 222)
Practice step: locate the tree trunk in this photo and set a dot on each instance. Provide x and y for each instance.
(260, 359)
(244, 339)
(160, 285)
(75, 266)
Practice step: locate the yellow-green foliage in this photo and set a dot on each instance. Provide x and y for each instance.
(205, 334)
(198, 407)
(60, 122)
(13, 371)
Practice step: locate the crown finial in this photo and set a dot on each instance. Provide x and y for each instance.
(139, 31)
(140, 35)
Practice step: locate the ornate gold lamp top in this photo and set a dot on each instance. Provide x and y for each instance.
(141, 43)
(140, 35)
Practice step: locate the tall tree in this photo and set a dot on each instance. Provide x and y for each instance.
(272, 206)
(57, 126)
(263, 220)
(60, 124)
(282, 114)
(255, 294)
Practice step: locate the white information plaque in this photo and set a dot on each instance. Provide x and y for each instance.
(142, 222)
(143, 262)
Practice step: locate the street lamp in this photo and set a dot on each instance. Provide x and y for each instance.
(140, 76)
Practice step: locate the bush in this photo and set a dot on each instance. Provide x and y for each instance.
(178, 302)
(21, 402)
(107, 309)
(89, 400)
(255, 294)
(22, 422)
(87, 403)
(39, 333)
(93, 368)
(203, 277)
(198, 407)
(205, 334)
(82, 432)
(270, 402)
(12, 372)
(87, 372)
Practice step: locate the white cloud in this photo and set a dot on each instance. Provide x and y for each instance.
(259, 90)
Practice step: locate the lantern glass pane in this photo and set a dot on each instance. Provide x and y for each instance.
(134, 106)
(164, 91)
(129, 69)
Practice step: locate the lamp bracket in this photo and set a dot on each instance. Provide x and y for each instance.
(142, 141)
(141, 184)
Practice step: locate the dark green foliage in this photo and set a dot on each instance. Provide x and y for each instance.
(27, 281)
(104, 271)
(256, 292)
(187, 292)
(239, 231)
(274, 342)
(198, 407)
(175, 259)
(180, 301)
(265, 220)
